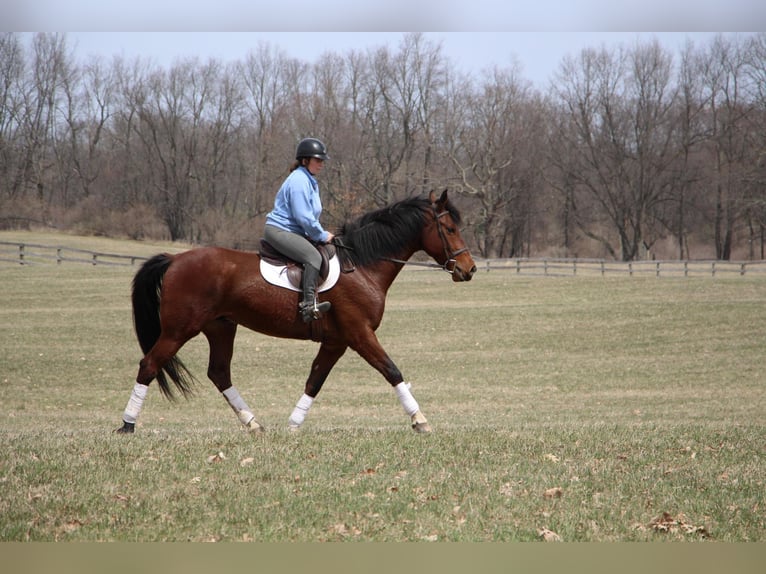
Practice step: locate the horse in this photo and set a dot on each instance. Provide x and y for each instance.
(213, 290)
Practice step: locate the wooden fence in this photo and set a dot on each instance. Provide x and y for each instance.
(589, 267)
(32, 254)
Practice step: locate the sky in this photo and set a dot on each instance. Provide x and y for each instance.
(385, 15)
(474, 35)
(538, 53)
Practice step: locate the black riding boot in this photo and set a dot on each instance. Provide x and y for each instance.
(309, 309)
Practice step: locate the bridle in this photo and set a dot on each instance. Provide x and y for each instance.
(450, 262)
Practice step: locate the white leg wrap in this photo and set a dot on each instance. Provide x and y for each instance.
(300, 411)
(238, 405)
(135, 403)
(409, 403)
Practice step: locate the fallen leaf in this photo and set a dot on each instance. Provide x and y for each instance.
(216, 457)
(548, 535)
(551, 457)
(246, 461)
(666, 523)
(72, 525)
(506, 489)
(555, 492)
(343, 530)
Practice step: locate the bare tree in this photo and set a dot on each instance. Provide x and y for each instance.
(756, 128)
(88, 95)
(129, 158)
(680, 214)
(30, 96)
(491, 146)
(728, 151)
(266, 75)
(12, 111)
(622, 138)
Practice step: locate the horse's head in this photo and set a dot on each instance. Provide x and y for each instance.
(443, 242)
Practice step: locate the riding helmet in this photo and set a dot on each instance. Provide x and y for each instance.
(311, 147)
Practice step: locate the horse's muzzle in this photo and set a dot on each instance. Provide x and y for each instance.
(458, 274)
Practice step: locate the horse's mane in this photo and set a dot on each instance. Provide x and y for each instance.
(388, 231)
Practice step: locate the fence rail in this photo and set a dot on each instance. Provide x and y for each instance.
(667, 268)
(33, 253)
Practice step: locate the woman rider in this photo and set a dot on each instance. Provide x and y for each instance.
(294, 221)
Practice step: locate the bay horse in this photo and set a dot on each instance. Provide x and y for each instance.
(213, 290)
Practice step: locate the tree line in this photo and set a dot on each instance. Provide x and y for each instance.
(631, 151)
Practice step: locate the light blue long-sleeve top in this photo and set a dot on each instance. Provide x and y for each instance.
(297, 206)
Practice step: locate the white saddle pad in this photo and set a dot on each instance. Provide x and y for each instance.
(277, 275)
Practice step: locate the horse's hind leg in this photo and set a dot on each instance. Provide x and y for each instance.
(220, 335)
(149, 367)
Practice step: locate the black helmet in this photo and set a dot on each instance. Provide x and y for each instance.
(311, 147)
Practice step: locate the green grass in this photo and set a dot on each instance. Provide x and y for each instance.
(621, 398)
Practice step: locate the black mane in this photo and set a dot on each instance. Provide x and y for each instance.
(386, 232)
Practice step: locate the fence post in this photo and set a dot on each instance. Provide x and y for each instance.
(95, 262)
(21, 254)
(658, 269)
(713, 269)
(58, 256)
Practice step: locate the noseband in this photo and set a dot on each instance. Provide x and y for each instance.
(450, 262)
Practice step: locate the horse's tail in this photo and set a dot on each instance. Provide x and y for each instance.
(147, 286)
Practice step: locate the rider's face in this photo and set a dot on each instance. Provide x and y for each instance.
(315, 165)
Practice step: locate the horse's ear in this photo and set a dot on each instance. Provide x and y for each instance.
(442, 199)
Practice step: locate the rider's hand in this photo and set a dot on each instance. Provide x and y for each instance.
(330, 237)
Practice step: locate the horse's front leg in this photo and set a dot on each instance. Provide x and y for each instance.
(323, 363)
(371, 351)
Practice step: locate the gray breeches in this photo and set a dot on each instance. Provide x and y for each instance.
(293, 245)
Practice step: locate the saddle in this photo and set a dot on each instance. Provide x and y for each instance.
(294, 269)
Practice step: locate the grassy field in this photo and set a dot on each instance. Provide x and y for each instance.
(584, 409)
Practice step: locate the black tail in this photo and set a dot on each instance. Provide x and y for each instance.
(147, 285)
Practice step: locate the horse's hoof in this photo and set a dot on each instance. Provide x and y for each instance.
(126, 428)
(421, 428)
(420, 424)
(255, 427)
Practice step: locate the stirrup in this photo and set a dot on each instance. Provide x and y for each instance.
(313, 312)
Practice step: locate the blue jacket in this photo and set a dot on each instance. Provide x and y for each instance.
(297, 206)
